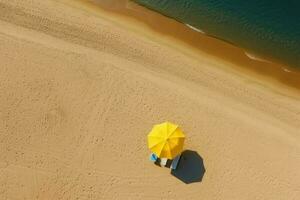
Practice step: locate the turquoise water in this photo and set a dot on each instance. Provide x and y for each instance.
(267, 28)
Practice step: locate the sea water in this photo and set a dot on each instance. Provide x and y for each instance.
(267, 28)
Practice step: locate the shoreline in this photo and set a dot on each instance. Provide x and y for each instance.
(178, 35)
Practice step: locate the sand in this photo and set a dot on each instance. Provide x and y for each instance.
(80, 92)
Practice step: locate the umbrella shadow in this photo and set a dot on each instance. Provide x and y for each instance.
(190, 168)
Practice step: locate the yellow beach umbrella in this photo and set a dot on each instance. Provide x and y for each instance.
(166, 140)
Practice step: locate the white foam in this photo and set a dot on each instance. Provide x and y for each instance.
(255, 57)
(286, 70)
(195, 29)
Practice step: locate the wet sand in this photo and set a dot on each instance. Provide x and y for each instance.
(80, 90)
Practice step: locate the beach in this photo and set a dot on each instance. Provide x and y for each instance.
(81, 87)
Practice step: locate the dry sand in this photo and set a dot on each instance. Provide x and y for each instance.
(79, 93)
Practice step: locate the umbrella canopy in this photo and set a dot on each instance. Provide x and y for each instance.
(166, 140)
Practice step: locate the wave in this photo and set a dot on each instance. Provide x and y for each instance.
(256, 58)
(195, 29)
